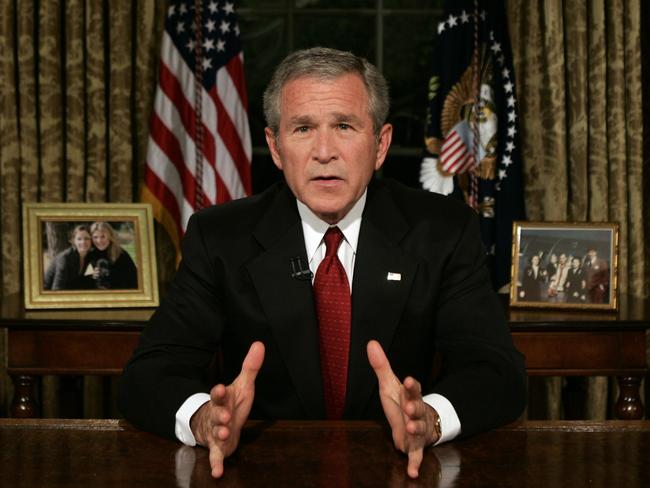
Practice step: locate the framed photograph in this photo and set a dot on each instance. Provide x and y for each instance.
(564, 265)
(84, 255)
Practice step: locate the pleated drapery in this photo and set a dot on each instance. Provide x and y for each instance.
(77, 79)
(579, 82)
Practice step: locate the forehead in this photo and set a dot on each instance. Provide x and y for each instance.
(308, 94)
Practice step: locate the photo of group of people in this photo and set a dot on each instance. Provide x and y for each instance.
(564, 266)
(89, 256)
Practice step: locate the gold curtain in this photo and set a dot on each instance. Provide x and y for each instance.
(77, 79)
(578, 69)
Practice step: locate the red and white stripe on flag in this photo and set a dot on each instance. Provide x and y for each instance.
(219, 127)
(456, 155)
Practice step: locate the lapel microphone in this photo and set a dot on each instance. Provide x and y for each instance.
(299, 271)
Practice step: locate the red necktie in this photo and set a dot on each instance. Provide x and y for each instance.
(333, 307)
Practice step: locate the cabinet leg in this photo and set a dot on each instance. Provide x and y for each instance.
(23, 404)
(628, 405)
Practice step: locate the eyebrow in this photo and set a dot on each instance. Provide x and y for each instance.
(301, 120)
(341, 117)
(338, 118)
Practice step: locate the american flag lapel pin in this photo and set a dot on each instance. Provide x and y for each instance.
(393, 276)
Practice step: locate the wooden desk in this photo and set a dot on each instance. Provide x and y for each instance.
(99, 342)
(109, 453)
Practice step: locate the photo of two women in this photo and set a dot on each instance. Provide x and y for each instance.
(89, 256)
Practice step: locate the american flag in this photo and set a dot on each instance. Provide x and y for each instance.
(199, 148)
(456, 151)
(481, 161)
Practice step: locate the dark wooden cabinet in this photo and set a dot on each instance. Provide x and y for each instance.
(99, 342)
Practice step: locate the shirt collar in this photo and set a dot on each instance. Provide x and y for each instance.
(313, 228)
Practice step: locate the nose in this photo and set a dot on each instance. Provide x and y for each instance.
(324, 149)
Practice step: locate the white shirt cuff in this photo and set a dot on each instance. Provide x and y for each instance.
(189, 407)
(449, 421)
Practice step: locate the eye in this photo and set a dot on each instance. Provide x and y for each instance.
(303, 129)
(344, 126)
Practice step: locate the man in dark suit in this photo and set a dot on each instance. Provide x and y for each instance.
(398, 275)
(597, 277)
(575, 284)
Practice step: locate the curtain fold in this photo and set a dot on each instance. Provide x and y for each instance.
(49, 106)
(9, 173)
(120, 124)
(75, 106)
(95, 94)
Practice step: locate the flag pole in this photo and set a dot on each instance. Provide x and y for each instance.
(473, 192)
(198, 103)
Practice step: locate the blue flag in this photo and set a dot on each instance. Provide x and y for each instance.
(472, 134)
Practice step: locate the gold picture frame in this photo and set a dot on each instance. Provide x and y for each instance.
(86, 255)
(564, 265)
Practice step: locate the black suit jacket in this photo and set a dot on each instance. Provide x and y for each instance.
(234, 286)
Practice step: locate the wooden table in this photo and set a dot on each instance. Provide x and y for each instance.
(581, 343)
(109, 453)
(99, 342)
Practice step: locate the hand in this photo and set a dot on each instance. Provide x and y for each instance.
(217, 424)
(411, 420)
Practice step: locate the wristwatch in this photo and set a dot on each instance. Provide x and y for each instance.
(437, 426)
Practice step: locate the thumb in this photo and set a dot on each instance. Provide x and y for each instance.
(252, 362)
(414, 462)
(379, 362)
(216, 461)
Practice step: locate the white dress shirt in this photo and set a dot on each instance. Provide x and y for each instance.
(314, 229)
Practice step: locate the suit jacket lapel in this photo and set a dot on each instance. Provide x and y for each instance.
(377, 298)
(288, 302)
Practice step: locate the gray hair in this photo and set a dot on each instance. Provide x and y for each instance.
(327, 64)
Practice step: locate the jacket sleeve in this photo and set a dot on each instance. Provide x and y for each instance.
(483, 375)
(125, 272)
(175, 350)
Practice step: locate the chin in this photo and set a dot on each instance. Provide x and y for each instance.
(328, 214)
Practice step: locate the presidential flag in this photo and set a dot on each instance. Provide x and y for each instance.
(199, 148)
(472, 134)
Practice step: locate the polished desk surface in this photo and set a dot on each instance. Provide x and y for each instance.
(98, 453)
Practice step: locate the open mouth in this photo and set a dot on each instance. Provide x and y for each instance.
(327, 178)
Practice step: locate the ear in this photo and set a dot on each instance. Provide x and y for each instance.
(272, 142)
(383, 143)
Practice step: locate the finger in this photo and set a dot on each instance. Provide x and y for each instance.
(219, 416)
(416, 427)
(412, 389)
(415, 409)
(218, 394)
(411, 401)
(252, 362)
(379, 363)
(223, 416)
(222, 432)
(216, 461)
(415, 460)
